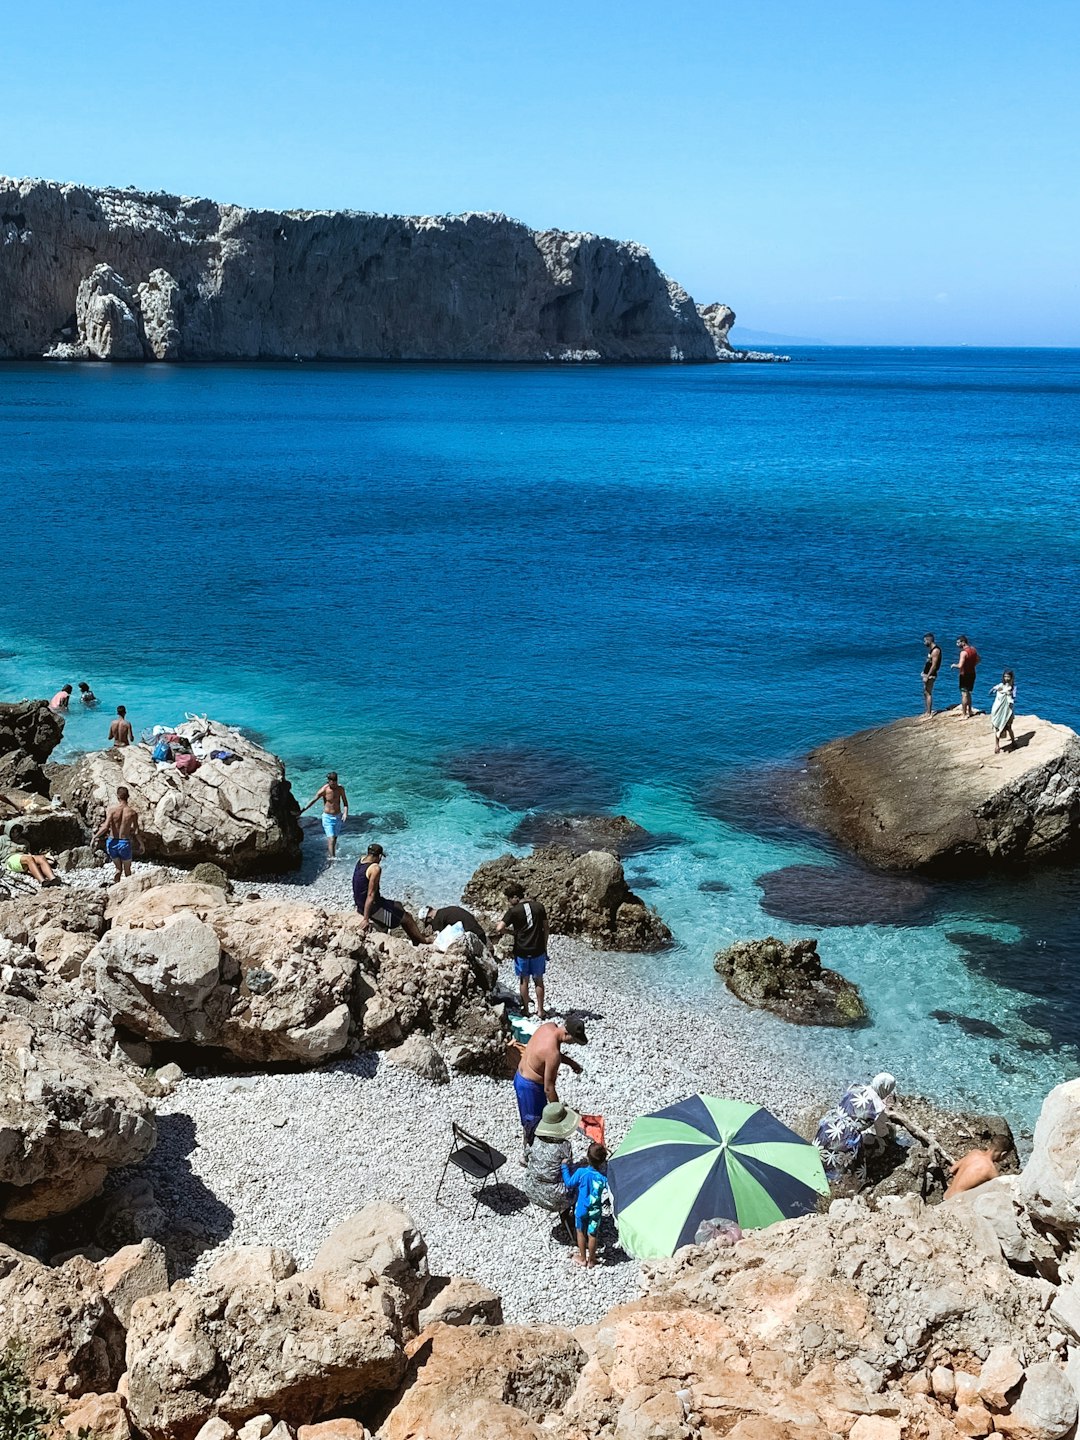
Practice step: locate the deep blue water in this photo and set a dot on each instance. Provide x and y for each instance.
(646, 582)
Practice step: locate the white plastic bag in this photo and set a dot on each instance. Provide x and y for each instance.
(447, 936)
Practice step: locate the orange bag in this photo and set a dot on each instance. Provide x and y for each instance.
(592, 1127)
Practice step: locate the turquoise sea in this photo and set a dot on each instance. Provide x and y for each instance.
(477, 591)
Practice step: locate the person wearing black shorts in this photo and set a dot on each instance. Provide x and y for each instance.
(528, 920)
(374, 909)
(930, 671)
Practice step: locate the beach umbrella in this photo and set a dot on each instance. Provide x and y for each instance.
(705, 1159)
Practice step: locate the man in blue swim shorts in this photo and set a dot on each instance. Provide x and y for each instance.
(538, 1071)
(335, 810)
(528, 920)
(121, 831)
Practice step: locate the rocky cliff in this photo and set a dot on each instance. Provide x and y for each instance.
(120, 275)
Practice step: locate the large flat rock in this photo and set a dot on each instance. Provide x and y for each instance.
(930, 794)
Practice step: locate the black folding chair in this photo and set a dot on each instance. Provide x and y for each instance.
(473, 1157)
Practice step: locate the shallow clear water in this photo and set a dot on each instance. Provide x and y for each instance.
(655, 582)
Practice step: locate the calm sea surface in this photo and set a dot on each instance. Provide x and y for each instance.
(476, 591)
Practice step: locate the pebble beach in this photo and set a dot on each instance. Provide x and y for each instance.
(280, 1157)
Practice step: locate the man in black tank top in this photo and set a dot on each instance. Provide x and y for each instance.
(528, 920)
(374, 909)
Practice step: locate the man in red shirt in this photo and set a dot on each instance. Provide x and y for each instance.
(969, 658)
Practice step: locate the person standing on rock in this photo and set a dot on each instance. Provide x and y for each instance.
(121, 825)
(120, 731)
(930, 671)
(538, 1071)
(969, 659)
(528, 920)
(374, 909)
(60, 700)
(335, 810)
(1003, 711)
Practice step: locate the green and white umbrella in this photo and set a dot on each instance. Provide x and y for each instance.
(707, 1159)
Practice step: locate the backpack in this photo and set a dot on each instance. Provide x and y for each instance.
(162, 751)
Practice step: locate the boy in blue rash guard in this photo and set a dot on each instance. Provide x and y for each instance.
(590, 1182)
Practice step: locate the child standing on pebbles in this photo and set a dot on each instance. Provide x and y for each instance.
(590, 1182)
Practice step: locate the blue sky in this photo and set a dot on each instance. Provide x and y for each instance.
(881, 171)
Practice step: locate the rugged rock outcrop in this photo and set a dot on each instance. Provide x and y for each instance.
(66, 1118)
(790, 980)
(239, 814)
(585, 895)
(276, 981)
(29, 733)
(118, 274)
(931, 794)
(61, 1323)
(254, 1337)
(584, 832)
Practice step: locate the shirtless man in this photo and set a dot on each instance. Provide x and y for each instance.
(534, 1083)
(120, 731)
(335, 810)
(930, 671)
(977, 1166)
(121, 823)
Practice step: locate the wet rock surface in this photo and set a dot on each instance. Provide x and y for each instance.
(617, 833)
(790, 980)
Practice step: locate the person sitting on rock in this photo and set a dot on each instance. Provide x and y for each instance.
(374, 909)
(60, 700)
(977, 1166)
(121, 825)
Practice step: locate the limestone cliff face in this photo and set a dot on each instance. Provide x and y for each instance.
(115, 274)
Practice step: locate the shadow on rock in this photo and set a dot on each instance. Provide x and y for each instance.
(821, 895)
(520, 778)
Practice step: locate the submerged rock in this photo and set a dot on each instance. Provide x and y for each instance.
(790, 980)
(519, 778)
(585, 895)
(617, 833)
(930, 794)
(240, 815)
(846, 894)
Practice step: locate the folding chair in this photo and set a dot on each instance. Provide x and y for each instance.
(473, 1157)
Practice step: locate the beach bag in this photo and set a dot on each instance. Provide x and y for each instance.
(162, 752)
(187, 764)
(447, 936)
(592, 1127)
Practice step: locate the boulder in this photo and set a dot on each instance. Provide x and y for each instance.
(66, 1119)
(585, 895)
(1001, 1373)
(254, 1338)
(241, 816)
(41, 827)
(70, 1340)
(1044, 1409)
(1050, 1183)
(29, 733)
(930, 794)
(102, 1417)
(459, 1301)
(164, 984)
(77, 912)
(131, 1274)
(790, 980)
(418, 1054)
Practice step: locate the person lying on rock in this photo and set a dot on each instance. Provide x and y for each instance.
(21, 862)
(977, 1166)
(437, 920)
(538, 1071)
(121, 827)
(374, 909)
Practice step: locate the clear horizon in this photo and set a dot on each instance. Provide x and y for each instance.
(862, 176)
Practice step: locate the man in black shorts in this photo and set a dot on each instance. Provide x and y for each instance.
(528, 920)
(374, 910)
(930, 671)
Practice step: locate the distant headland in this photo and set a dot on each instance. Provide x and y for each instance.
(110, 274)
